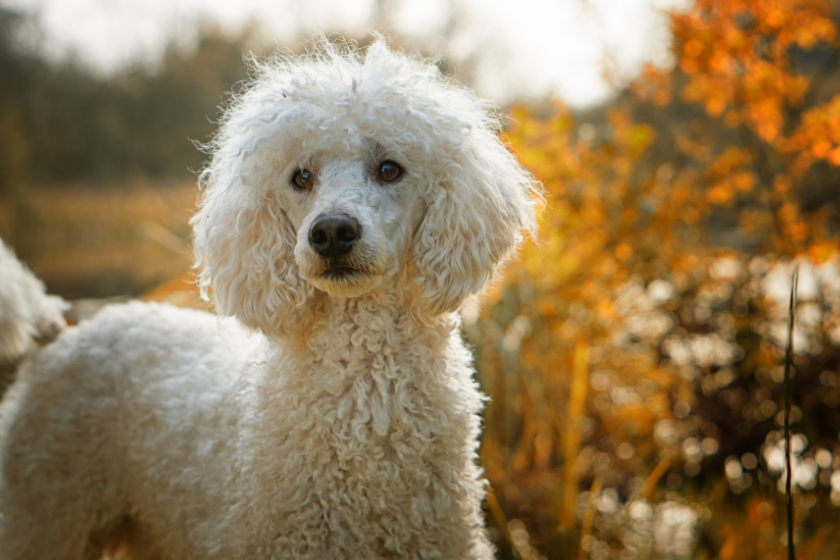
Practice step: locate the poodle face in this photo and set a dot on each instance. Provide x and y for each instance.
(344, 172)
(353, 215)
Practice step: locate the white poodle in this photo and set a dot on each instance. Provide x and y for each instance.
(353, 201)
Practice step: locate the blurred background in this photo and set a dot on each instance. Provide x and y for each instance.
(690, 153)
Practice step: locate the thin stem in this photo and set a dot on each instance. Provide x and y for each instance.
(788, 365)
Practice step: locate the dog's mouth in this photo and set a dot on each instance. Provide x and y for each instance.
(345, 277)
(341, 273)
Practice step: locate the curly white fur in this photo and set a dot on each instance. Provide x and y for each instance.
(346, 425)
(27, 313)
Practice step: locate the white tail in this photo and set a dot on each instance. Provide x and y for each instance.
(27, 314)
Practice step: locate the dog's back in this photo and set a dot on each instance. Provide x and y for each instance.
(72, 464)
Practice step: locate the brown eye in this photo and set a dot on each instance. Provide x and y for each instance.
(389, 171)
(303, 179)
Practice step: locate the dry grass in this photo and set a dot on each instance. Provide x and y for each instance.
(86, 242)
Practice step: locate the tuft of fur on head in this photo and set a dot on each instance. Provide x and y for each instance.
(27, 314)
(470, 201)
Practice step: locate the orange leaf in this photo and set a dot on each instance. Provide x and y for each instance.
(834, 156)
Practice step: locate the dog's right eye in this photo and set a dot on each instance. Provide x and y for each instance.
(303, 179)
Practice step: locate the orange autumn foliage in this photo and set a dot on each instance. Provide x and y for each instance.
(668, 217)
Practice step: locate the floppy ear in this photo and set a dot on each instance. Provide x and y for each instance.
(244, 242)
(476, 216)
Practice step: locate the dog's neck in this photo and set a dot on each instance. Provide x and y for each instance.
(375, 373)
(353, 335)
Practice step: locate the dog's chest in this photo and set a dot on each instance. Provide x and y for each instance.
(376, 446)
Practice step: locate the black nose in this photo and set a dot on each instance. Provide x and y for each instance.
(333, 235)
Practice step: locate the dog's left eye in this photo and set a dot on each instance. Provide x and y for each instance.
(389, 171)
(303, 179)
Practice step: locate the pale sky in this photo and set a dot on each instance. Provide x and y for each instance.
(531, 47)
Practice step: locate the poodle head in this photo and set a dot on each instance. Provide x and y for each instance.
(346, 171)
